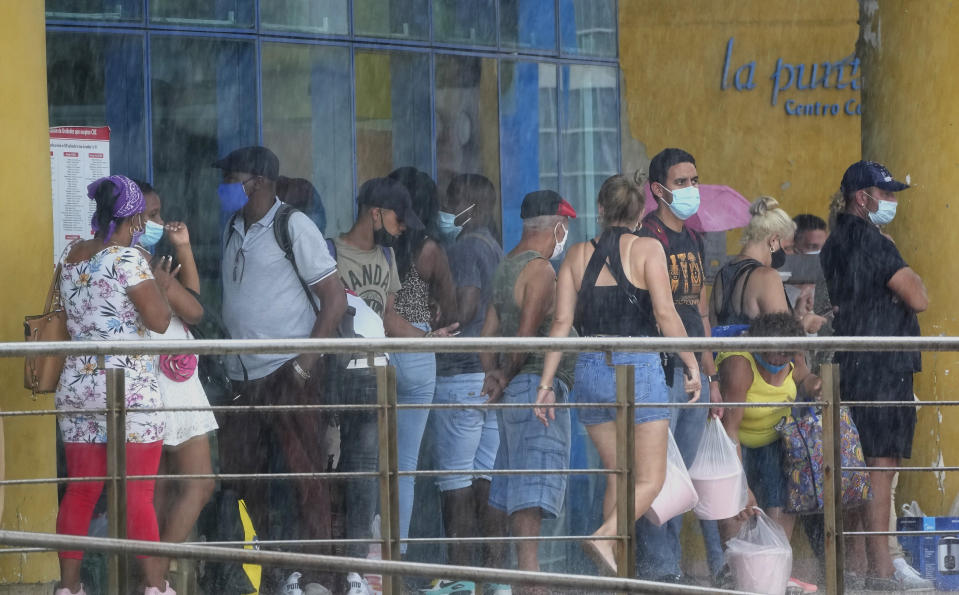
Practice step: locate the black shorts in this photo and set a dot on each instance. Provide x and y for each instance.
(883, 431)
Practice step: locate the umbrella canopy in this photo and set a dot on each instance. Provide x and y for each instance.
(720, 208)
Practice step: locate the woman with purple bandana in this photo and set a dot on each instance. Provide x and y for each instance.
(109, 293)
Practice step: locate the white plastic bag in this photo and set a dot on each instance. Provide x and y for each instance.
(678, 495)
(760, 556)
(718, 475)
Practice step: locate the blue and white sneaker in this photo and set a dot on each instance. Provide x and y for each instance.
(497, 589)
(445, 587)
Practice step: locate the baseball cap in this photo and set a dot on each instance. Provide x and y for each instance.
(256, 160)
(545, 202)
(387, 193)
(863, 174)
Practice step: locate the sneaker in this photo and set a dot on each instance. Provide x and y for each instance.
(497, 589)
(292, 585)
(66, 591)
(445, 587)
(799, 587)
(911, 581)
(358, 585)
(167, 590)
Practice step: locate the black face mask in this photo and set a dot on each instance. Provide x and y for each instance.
(381, 237)
(779, 258)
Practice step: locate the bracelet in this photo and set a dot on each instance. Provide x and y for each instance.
(544, 387)
(300, 371)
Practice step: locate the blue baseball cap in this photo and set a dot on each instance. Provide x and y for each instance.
(864, 174)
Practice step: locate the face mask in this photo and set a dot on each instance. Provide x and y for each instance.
(381, 237)
(779, 258)
(232, 196)
(685, 201)
(560, 244)
(768, 366)
(152, 232)
(446, 225)
(886, 212)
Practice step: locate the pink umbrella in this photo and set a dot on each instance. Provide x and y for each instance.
(720, 208)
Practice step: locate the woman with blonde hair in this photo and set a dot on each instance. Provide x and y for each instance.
(618, 284)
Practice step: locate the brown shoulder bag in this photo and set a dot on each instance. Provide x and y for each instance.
(41, 373)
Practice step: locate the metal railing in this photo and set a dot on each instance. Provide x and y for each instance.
(388, 474)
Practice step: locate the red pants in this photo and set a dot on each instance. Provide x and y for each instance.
(90, 460)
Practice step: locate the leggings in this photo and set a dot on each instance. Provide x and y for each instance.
(90, 460)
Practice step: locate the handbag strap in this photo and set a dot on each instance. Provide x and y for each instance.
(54, 290)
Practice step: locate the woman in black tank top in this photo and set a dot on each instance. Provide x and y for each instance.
(618, 284)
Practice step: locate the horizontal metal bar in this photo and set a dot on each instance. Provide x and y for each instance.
(481, 344)
(309, 542)
(892, 469)
(345, 564)
(902, 533)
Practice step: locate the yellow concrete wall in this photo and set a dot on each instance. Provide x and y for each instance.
(26, 240)
(910, 123)
(672, 56)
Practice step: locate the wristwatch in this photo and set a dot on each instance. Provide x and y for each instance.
(710, 378)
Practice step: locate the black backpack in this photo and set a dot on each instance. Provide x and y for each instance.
(211, 367)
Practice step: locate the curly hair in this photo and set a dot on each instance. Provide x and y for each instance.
(776, 324)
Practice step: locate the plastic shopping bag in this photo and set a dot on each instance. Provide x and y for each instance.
(718, 475)
(760, 556)
(678, 495)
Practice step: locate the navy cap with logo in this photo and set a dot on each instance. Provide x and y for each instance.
(865, 174)
(545, 202)
(387, 193)
(255, 160)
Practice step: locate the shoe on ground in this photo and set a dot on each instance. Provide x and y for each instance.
(66, 591)
(497, 589)
(799, 587)
(911, 581)
(898, 582)
(853, 581)
(358, 585)
(445, 587)
(292, 585)
(167, 590)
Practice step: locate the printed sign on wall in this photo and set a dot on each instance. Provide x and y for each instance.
(78, 156)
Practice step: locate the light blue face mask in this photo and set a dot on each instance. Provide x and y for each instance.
(768, 366)
(885, 213)
(152, 232)
(446, 223)
(685, 201)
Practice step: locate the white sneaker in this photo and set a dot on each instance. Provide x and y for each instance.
(292, 586)
(358, 585)
(910, 580)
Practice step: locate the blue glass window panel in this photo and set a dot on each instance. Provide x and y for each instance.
(466, 22)
(527, 24)
(97, 81)
(588, 27)
(330, 17)
(398, 19)
(203, 13)
(95, 10)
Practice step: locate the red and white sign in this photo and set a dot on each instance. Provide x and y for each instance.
(78, 156)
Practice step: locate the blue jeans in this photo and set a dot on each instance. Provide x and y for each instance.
(525, 443)
(595, 382)
(466, 439)
(415, 383)
(658, 550)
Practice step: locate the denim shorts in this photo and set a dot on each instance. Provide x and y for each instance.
(525, 443)
(596, 383)
(765, 475)
(466, 439)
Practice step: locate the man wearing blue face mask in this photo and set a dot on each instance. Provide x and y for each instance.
(674, 182)
(877, 294)
(267, 294)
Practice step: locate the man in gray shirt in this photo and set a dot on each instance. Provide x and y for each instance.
(263, 297)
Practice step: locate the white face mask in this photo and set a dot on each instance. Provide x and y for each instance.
(885, 213)
(560, 244)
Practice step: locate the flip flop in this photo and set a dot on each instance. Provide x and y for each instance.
(606, 566)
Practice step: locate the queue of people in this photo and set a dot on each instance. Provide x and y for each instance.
(421, 262)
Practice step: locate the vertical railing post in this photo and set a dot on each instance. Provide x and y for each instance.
(625, 488)
(832, 479)
(388, 479)
(116, 471)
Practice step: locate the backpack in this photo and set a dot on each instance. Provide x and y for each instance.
(655, 227)
(211, 367)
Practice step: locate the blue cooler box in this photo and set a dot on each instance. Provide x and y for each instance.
(935, 557)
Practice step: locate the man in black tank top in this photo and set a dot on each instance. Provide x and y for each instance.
(519, 502)
(674, 182)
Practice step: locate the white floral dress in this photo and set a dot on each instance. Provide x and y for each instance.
(94, 295)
